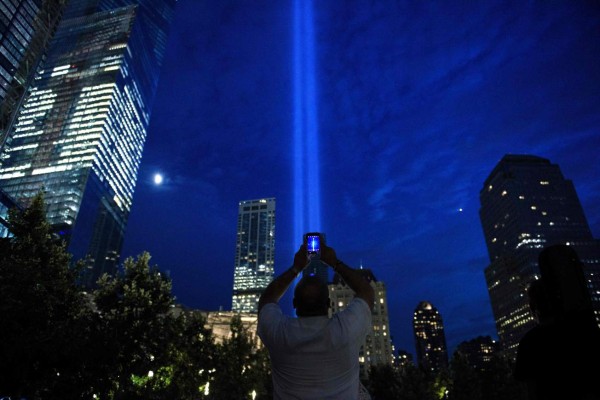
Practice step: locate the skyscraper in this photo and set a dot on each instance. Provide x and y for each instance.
(6, 203)
(377, 349)
(478, 352)
(80, 133)
(254, 253)
(430, 339)
(526, 205)
(26, 28)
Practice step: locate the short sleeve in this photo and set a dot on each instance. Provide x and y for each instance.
(269, 320)
(355, 320)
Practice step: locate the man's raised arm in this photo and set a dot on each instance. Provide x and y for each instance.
(352, 277)
(279, 285)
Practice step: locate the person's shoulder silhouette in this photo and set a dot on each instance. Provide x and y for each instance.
(559, 358)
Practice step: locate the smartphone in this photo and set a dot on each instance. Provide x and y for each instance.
(312, 241)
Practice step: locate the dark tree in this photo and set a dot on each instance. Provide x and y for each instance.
(241, 368)
(498, 382)
(416, 384)
(42, 309)
(134, 327)
(384, 383)
(406, 383)
(466, 380)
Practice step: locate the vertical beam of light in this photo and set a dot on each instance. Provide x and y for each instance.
(298, 129)
(307, 182)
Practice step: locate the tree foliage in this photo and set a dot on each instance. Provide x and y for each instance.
(495, 382)
(406, 383)
(125, 340)
(41, 305)
(129, 340)
(239, 361)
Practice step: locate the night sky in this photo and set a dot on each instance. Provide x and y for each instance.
(417, 102)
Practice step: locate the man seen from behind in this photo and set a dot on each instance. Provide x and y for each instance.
(314, 356)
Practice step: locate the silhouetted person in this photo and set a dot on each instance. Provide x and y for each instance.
(560, 357)
(314, 356)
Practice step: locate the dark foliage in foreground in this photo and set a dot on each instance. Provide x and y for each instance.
(128, 339)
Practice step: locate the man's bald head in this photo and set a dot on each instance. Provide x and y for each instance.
(311, 297)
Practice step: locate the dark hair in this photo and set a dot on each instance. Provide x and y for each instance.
(311, 297)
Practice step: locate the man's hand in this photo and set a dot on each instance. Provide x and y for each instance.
(357, 283)
(301, 259)
(328, 256)
(279, 285)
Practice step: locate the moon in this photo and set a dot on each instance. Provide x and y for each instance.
(158, 179)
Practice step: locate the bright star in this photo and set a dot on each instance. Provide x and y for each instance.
(158, 179)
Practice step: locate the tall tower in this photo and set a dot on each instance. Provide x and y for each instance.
(377, 349)
(254, 253)
(430, 340)
(526, 205)
(26, 28)
(79, 135)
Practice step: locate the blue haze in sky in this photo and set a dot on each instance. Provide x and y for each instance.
(417, 102)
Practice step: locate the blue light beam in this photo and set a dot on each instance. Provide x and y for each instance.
(307, 181)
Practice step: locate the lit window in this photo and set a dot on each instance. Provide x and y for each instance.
(504, 193)
(533, 207)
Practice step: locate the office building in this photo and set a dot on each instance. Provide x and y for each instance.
(403, 359)
(254, 253)
(478, 352)
(80, 133)
(219, 322)
(26, 28)
(526, 205)
(377, 349)
(6, 204)
(430, 339)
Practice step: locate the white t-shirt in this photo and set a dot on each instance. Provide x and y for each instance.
(315, 357)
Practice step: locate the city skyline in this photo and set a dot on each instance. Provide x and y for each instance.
(417, 104)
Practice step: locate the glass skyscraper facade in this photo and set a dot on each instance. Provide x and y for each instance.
(26, 27)
(526, 205)
(430, 339)
(6, 203)
(80, 134)
(255, 253)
